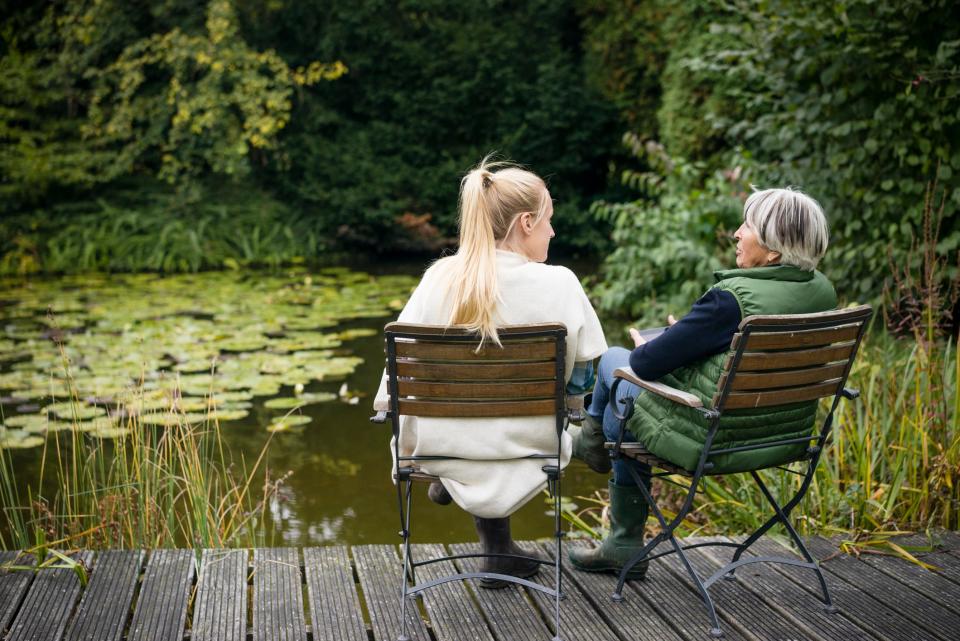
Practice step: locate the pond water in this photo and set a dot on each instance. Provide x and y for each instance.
(300, 343)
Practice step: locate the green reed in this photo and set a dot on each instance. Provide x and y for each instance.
(158, 486)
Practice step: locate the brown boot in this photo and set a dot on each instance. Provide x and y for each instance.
(438, 494)
(495, 538)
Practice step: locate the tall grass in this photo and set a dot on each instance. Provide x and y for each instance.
(158, 486)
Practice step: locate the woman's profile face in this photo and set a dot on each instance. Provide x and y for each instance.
(537, 242)
(750, 253)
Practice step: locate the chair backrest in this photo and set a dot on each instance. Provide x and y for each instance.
(439, 372)
(778, 360)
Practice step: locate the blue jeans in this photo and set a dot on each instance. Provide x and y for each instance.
(601, 409)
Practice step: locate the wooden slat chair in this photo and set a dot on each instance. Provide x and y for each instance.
(439, 372)
(774, 361)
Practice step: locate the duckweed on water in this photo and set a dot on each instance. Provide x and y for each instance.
(178, 349)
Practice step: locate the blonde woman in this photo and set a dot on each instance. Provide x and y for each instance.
(496, 278)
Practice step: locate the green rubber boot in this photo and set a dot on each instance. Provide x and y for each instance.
(628, 515)
(588, 446)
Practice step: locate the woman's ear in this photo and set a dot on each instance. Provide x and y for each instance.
(773, 258)
(525, 223)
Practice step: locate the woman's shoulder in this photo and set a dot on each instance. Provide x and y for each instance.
(437, 268)
(554, 273)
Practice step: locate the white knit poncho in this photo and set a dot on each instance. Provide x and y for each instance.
(497, 481)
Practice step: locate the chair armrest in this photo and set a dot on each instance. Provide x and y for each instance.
(849, 392)
(671, 393)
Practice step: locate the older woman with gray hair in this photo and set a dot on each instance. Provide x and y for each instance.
(782, 238)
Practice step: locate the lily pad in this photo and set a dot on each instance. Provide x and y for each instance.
(74, 411)
(286, 422)
(360, 332)
(200, 365)
(170, 419)
(110, 432)
(299, 401)
(49, 426)
(249, 344)
(229, 414)
(97, 424)
(33, 421)
(18, 439)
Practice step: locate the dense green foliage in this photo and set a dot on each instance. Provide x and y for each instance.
(181, 136)
(323, 125)
(855, 102)
(433, 86)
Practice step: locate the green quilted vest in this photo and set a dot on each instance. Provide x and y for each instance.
(677, 433)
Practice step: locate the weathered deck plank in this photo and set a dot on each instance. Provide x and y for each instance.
(161, 610)
(378, 567)
(49, 602)
(449, 606)
(945, 564)
(509, 611)
(13, 587)
(937, 621)
(881, 598)
(278, 613)
(853, 603)
(578, 619)
(628, 617)
(105, 606)
(220, 607)
(778, 593)
(332, 594)
(950, 541)
(932, 585)
(738, 606)
(676, 602)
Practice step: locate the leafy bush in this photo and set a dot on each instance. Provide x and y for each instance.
(674, 236)
(854, 101)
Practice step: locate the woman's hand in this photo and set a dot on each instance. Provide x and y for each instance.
(638, 340)
(671, 320)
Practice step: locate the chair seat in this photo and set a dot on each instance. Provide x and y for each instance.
(638, 452)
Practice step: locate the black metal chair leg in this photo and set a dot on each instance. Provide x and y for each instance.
(783, 515)
(407, 565)
(753, 538)
(715, 631)
(666, 534)
(557, 577)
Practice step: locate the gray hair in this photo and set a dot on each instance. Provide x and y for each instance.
(789, 222)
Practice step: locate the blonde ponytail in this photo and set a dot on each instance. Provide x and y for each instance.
(490, 202)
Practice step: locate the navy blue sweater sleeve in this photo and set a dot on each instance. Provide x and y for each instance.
(706, 330)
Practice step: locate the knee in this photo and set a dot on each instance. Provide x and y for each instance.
(612, 359)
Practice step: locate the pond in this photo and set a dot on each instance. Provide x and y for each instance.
(291, 356)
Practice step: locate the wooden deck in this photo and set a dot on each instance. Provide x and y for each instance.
(341, 593)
